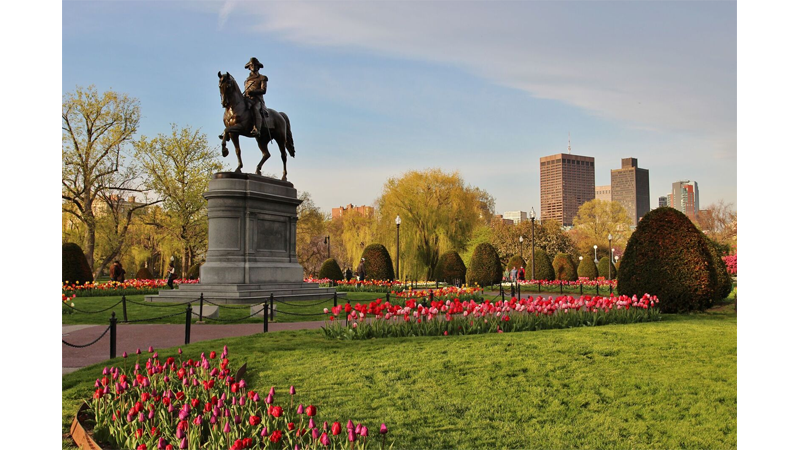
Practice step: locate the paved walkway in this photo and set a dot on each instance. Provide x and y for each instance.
(133, 336)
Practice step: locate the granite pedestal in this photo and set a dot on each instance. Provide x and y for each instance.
(252, 237)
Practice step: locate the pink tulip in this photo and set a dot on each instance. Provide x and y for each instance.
(264, 432)
(364, 431)
(150, 349)
(227, 428)
(184, 444)
(292, 391)
(300, 409)
(324, 440)
(180, 434)
(384, 430)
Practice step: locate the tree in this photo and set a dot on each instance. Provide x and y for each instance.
(311, 249)
(718, 222)
(179, 167)
(438, 212)
(549, 236)
(597, 219)
(95, 129)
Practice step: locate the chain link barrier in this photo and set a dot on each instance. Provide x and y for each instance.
(89, 344)
(94, 312)
(182, 313)
(229, 320)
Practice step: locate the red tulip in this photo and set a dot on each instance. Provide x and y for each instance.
(255, 420)
(311, 410)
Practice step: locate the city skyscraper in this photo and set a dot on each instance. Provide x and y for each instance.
(566, 182)
(685, 198)
(630, 187)
(663, 200)
(603, 193)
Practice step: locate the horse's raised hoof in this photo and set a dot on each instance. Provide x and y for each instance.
(224, 152)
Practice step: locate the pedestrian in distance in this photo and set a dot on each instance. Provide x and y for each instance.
(505, 274)
(348, 274)
(514, 274)
(171, 275)
(521, 273)
(360, 272)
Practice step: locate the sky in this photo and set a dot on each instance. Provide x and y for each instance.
(485, 88)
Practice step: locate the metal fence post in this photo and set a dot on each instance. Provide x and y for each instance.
(561, 286)
(266, 316)
(272, 307)
(124, 309)
(437, 283)
(113, 321)
(540, 286)
(502, 294)
(580, 283)
(598, 288)
(388, 298)
(187, 337)
(201, 308)
(335, 299)
(431, 295)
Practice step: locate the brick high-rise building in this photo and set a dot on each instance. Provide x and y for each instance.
(603, 193)
(686, 198)
(630, 187)
(566, 182)
(366, 211)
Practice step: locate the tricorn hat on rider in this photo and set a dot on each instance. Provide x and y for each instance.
(253, 63)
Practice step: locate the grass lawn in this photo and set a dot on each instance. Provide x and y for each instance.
(138, 312)
(667, 384)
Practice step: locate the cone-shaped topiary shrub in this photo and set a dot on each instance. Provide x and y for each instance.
(543, 267)
(378, 263)
(724, 282)
(330, 269)
(667, 256)
(450, 268)
(602, 269)
(74, 267)
(194, 272)
(145, 274)
(484, 266)
(587, 269)
(515, 261)
(564, 268)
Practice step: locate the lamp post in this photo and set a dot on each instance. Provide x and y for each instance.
(595, 254)
(397, 255)
(610, 255)
(328, 243)
(533, 246)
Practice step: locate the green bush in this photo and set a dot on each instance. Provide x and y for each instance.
(74, 267)
(516, 261)
(484, 266)
(564, 268)
(330, 269)
(723, 278)
(543, 267)
(193, 272)
(602, 269)
(450, 268)
(667, 256)
(145, 274)
(587, 268)
(378, 263)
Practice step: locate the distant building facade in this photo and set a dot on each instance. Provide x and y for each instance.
(500, 218)
(630, 187)
(603, 193)
(366, 211)
(515, 216)
(685, 197)
(566, 183)
(663, 200)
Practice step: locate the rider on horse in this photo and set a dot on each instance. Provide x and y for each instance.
(254, 89)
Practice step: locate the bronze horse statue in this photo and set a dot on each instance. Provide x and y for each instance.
(238, 121)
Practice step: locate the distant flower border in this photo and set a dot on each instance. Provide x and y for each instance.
(128, 287)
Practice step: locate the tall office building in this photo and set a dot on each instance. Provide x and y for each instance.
(685, 198)
(603, 193)
(566, 182)
(630, 187)
(515, 216)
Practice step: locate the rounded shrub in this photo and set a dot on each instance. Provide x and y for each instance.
(484, 266)
(194, 271)
(602, 269)
(667, 256)
(330, 269)
(543, 267)
(515, 261)
(74, 267)
(145, 274)
(377, 263)
(564, 268)
(724, 282)
(587, 268)
(450, 269)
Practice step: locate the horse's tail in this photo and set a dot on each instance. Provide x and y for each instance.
(289, 140)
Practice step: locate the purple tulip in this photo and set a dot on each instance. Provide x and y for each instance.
(166, 379)
(105, 370)
(180, 352)
(198, 420)
(96, 383)
(227, 428)
(350, 425)
(150, 349)
(242, 400)
(138, 351)
(170, 408)
(358, 429)
(292, 391)
(151, 414)
(212, 420)
(162, 443)
(325, 440)
(264, 432)
(311, 423)
(242, 384)
(141, 417)
(184, 444)
(325, 426)
(269, 399)
(296, 447)
(155, 355)
(130, 417)
(364, 431)
(182, 415)
(300, 409)
(195, 382)
(384, 430)
(315, 434)
(125, 355)
(351, 435)
(215, 411)
(256, 398)
(237, 419)
(180, 434)
(227, 412)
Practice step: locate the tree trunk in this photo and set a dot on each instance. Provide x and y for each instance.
(89, 236)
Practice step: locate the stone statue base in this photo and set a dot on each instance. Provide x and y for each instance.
(252, 240)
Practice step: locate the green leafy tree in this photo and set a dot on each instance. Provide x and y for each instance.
(438, 211)
(95, 129)
(597, 219)
(549, 236)
(179, 167)
(311, 248)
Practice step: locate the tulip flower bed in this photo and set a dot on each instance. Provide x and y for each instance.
(184, 403)
(129, 287)
(454, 317)
(368, 285)
(444, 294)
(730, 263)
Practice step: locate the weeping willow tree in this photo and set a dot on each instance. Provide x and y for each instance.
(438, 212)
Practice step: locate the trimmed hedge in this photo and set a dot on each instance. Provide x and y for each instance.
(330, 269)
(543, 267)
(378, 263)
(450, 268)
(602, 269)
(484, 266)
(145, 274)
(74, 267)
(667, 256)
(724, 282)
(587, 268)
(564, 268)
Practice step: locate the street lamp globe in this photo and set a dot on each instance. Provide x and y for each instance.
(520, 239)
(397, 220)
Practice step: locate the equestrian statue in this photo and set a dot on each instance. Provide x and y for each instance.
(247, 115)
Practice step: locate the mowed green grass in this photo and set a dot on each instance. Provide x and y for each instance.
(667, 384)
(155, 310)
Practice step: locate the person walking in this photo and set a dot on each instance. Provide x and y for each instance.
(360, 272)
(505, 274)
(521, 274)
(514, 274)
(171, 275)
(348, 274)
